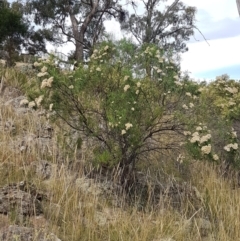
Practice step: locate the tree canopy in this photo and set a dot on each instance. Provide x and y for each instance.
(169, 28)
(17, 34)
(82, 23)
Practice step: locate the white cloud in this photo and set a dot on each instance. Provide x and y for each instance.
(221, 53)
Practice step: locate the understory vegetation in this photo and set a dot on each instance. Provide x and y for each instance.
(130, 122)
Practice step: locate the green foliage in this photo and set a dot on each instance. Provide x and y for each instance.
(126, 116)
(169, 28)
(12, 32)
(11, 24)
(217, 109)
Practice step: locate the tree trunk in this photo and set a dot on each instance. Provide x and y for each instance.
(79, 35)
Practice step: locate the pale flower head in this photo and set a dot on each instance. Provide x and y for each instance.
(191, 105)
(186, 133)
(31, 104)
(126, 87)
(205, 138)
(132, 109)
(195, 139)
(231, 90)
(215, 157)
(24, 102)
(43, 69)
(41, 74)
(188, 94)
(123, 132)
(126, 78)
(227, 148)
(234, 134)
(39, 100)
(138, 84)
(185, 107)
(50, 107)
(106, 48)
(98, 69)
(47, 83)
(206, 149)
(235, 146)
(128, 126)
(37, 64)
(199, 128)
(137, 92)
(44, 84)
(178, 83)
(195, 133)
(70, 87)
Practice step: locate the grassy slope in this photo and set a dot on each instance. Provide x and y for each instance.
(76, 215)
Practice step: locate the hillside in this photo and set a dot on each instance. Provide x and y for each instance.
(50, 190)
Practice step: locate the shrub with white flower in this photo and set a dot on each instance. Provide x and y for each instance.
(117, 102)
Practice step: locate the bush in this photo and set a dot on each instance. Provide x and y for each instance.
(128, 116)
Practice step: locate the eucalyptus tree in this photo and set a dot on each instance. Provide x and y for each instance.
(168, 26)
(17, 34)
(12, 32)
(79, 22)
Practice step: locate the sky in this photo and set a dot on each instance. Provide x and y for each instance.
(219, 22)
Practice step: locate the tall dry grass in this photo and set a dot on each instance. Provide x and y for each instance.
(74, 215)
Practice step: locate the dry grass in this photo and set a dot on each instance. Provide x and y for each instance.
(74, 215)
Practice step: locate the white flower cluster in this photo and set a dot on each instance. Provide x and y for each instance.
(41, 74)
(37, 64)
(126, 87)
(206, 149)
(47, 83)
(31, 104)
(39, 100)
(232, 90)
(127, 127)
(178, 82)
(201, 139)
(24, 102)
(98, 54)
(230, 146)
(205, 138)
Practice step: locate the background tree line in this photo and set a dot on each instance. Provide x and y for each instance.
(28, 26)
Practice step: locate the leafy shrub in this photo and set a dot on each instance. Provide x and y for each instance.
(126, 114)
